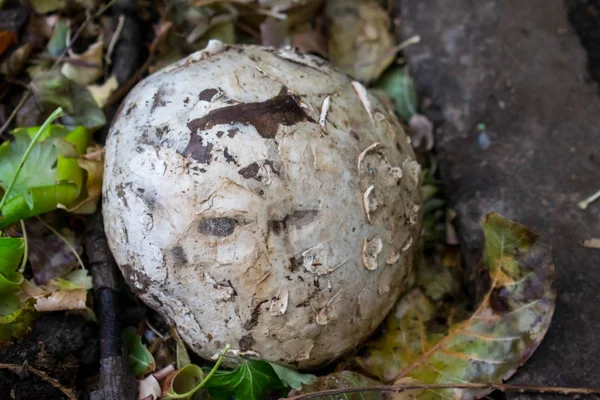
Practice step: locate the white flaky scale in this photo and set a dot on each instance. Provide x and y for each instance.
(258, 215)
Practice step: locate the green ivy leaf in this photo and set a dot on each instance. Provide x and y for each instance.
(291, 378)
(58, 41)
(141, 360)
(253, 380)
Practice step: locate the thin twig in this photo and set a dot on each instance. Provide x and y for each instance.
(67, 392)
(403, 387)
(51, 229)
(114, 39)
(26, 250)
(15, 111)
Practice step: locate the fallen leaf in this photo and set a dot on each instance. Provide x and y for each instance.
(49, 255)
(182, 356)
(62, 300)
(593, 243)
(85, 68)
(53, 89)
(149, 388)
(17, 60)
(58, 41)
(46, 6)
(291, 378)
(102, 92)
(398, 84)
(360, 42)
(420, 130)
(252, 380)
(431, 343)
(93, 186)
(273, 32)
(7, 39)
(344, 380)
(140, 359)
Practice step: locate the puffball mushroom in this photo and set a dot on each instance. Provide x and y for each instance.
(260, 198)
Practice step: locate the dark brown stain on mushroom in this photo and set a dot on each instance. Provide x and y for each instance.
(160, 131)
(250, 171)
(295, 263)
(199, 151)
(179, 255)
(265, 116)
(228, 157)
(253, 321)
(297, 219)
(207, 94)
(246, 342)
(220, 134)
(220, 226)
(231, 132)
(157, 100)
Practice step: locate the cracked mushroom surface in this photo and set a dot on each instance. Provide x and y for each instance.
(260, 198)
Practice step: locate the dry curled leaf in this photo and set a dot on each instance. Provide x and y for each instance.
(360, 42)
(85, 68)
(431, 344)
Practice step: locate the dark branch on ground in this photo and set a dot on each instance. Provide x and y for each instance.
(116, 380)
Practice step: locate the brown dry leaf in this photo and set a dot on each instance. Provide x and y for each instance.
(360, 42)
(310, 40)
(89, 67)
(273, 32)
(149, 388)
(431, 341)
(7, 39)
(102, 92)
(16, 61)
(95, 168)
(49, 255)
(62, 300)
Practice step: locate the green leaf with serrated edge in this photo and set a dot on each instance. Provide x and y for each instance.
(291, 378)
(514, 313)
(343, 380)
(252, 380)
(140, 359)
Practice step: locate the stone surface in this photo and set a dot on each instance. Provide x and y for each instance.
(519, 68)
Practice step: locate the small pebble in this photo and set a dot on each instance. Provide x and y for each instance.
(483, 141)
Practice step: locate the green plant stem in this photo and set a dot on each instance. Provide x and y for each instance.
(26, 250)
(56, 114)
(189, 394)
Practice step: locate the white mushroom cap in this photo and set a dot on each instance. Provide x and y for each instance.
(260, 198)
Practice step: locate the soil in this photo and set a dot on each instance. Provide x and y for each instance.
(519, 68)
(65, 347)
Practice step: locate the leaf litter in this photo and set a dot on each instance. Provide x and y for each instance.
(433, 334)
